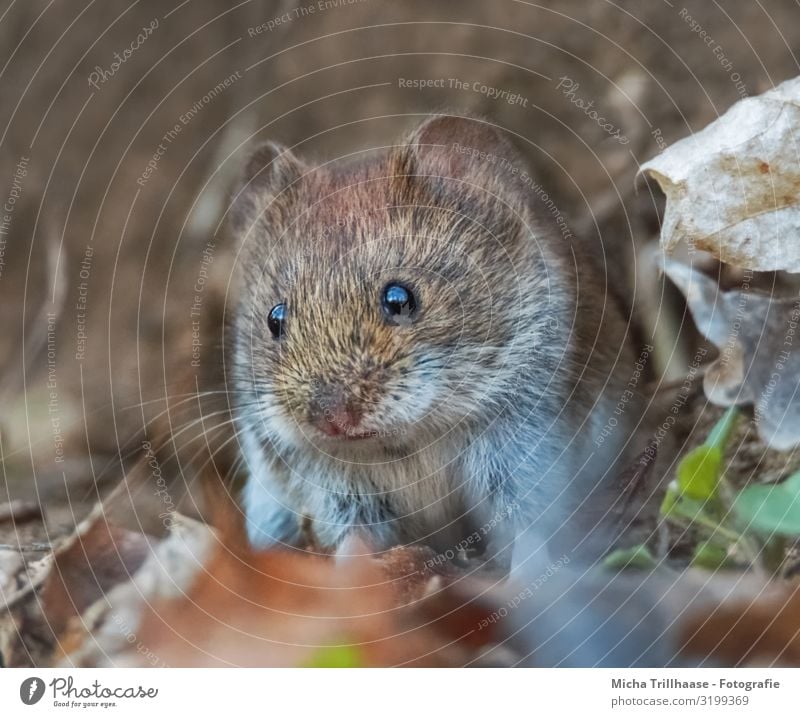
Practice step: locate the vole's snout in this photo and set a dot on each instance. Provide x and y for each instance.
(335, 411)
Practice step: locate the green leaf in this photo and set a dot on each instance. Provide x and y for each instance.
(699, 472)
(691, 510)
(671, 497)
(336, 656)
(721, 432)
(771, 509)
(638, 556)
(710, 556)
(678, 505)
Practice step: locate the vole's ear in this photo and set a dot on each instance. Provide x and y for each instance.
(447, 152)
(271, 170)
(459, 147)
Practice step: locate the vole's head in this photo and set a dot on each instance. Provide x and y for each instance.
(383, 299)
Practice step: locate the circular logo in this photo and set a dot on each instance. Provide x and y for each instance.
(31, 690)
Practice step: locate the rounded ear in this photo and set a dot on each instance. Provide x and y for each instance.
(453, 146)
(489, 173)
(270, 170)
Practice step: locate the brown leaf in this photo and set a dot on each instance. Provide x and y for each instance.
(732, 189)
(107, 630)
(759, 363)
(756, 632)
(279, 608)
(88, 567)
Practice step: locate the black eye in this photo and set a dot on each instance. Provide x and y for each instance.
(398, 302)
(277, 319)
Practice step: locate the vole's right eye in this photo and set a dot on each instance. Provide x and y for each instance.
(398, 302)
(277, 320)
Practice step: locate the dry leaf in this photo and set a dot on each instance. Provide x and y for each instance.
(281, 607)
(198, 599)
(757, 632)
(733, 189)
(107, 632)
(88, 567)
(20, 511)
(758, 363)
(10, 564)
(25, 638)
(56, 603)
(185, 607)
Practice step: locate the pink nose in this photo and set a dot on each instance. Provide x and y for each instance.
(333, 413)
(338, 422)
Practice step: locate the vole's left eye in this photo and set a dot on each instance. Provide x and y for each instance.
(398, 301)
(276, 320)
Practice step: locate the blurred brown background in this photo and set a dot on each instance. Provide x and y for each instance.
(209, 79)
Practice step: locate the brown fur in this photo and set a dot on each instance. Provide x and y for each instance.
(514, 357)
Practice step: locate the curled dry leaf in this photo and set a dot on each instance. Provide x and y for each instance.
(53, 603)
(96, 560)
(106, 633)
(733, 189)
(759, 343)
